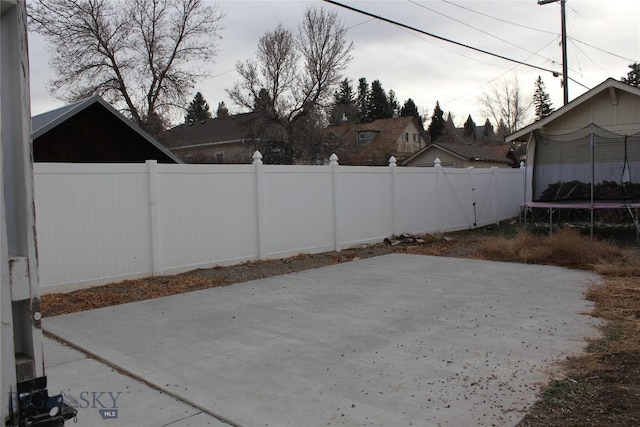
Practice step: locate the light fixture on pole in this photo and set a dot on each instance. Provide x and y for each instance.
(565, 77)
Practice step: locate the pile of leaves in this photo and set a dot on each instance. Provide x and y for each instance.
(124, 292)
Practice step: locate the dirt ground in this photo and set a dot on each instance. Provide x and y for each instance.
(600, 388)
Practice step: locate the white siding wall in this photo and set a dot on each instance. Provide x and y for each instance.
(98, 223)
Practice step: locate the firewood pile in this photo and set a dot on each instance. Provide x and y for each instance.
(576, 190)
(410, 239)
(604, 216)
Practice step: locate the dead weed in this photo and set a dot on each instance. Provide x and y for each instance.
(564, 248)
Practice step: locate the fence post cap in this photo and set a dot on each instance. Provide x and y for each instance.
(522, 164)
(392, 161)
(257, 157)
(333, 159)
(437, 162)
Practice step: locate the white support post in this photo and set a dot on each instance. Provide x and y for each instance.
(154, 218)
(336, 201)
(494, 194)
(439, 180)
(260, 239)
(472, 189)
(524, 192)
(394, 197)
(21, 357)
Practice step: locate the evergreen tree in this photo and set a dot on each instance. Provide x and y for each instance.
(541, 100)
(409, 109)
(449, 133)
(197, 110)
(502, 131)
(394, 106)
(363, 98)
(378, 103)
(470, 128)
(344, 94)
(488, 131)
(633, 76)
(488, 134)
(263, 102)
(222, 110)
(436, 127)
(344, 104)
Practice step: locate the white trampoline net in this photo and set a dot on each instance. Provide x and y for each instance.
(569, 166)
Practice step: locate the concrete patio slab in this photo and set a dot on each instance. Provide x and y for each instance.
(392, 340)
(104, 397)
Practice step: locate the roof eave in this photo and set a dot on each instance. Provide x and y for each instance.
(608, 83)
(83, 104)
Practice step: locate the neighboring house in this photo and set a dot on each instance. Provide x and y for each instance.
(215, 140)
(587, 148)
(459, 155)
(92, 131)
(372, 144)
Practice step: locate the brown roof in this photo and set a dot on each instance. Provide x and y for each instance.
(478, 153)
(220, 130)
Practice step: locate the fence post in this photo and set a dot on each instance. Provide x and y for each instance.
(524, 193)
(494, 184)
(438, 167)
(394, 198)
(336, 208)
(472, 187)
(154, 217)
(257, 163)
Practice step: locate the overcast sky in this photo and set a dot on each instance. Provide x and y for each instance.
(604, 38)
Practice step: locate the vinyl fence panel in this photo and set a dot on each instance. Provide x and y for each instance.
(98, 223)
(92, 222)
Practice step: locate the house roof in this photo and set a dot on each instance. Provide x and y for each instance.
(609, 84)
(477, 153)
(44, 123)
(216, 130)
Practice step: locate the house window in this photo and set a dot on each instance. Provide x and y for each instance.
(362, 137)
(219, 157)
(405, 136)
(416, 137)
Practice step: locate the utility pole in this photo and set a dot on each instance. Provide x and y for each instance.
(565, 67)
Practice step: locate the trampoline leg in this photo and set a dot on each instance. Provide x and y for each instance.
(635, 221)
(550, 221)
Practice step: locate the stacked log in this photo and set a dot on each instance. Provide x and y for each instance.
(576, 190)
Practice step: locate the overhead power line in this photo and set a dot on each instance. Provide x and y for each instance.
(498, 19)
(472, 27)
(399, 24)
(602, 50)
(538, 29)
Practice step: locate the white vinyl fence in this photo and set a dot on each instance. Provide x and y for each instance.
(98, 223)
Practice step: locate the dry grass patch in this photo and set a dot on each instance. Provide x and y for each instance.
(565, 248)
(603, 385)
(618, 301)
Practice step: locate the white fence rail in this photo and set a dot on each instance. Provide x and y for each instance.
(98, 223)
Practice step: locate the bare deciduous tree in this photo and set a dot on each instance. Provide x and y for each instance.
(292, 82)
(505, 101)
(140, 55)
